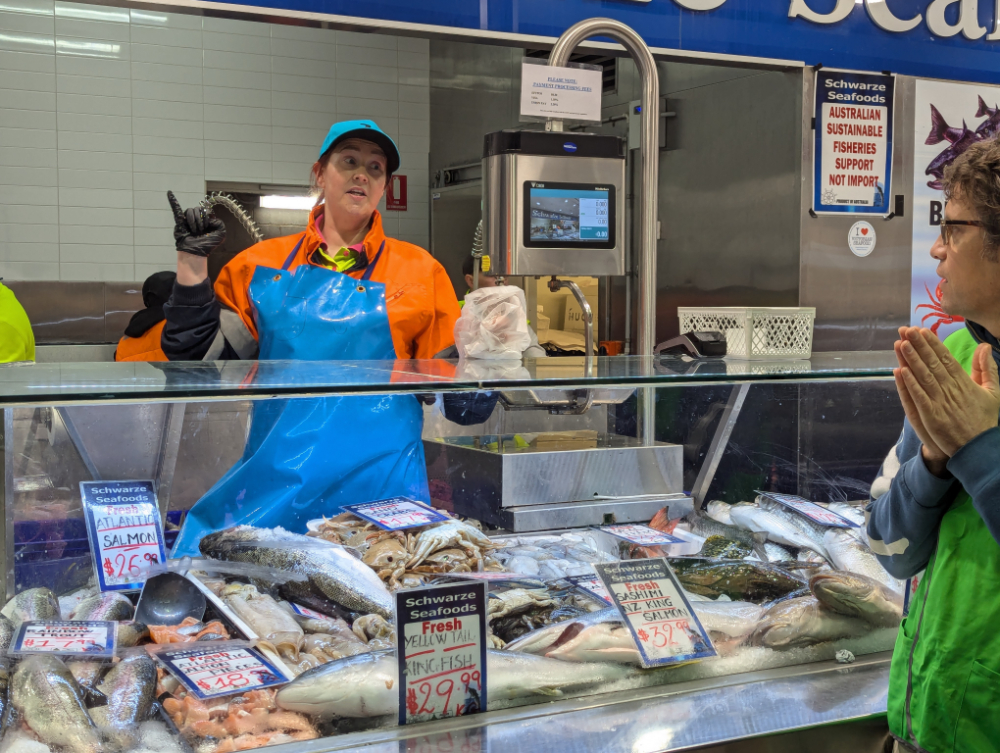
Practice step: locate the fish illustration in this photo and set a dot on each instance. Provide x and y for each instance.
(990, 127)
(940, 130)
(950, 154)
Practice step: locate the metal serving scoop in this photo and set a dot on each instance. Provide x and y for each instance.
(167, 599)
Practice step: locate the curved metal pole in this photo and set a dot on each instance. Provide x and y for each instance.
(649, 181)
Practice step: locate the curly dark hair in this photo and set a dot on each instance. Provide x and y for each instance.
(974, 178)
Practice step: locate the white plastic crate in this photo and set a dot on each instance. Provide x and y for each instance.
(755, 334)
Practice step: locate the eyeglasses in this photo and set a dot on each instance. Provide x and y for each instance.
(947, 225)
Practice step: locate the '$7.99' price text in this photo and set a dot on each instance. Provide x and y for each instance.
(130, 565)
(433, 697)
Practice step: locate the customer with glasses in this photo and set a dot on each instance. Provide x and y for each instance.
(936, 503)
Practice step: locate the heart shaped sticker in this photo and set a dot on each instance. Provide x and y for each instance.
(864, 231)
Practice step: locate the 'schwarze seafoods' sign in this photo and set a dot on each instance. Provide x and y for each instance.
(853, 170)
(125, 531)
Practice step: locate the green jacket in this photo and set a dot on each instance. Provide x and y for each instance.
(17, 341)
(944, 688)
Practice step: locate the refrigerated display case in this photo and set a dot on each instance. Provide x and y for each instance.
(560, 456)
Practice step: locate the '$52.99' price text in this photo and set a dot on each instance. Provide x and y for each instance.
(433, 697)
(128, 565)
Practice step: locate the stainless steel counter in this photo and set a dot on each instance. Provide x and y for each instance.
(723, 714)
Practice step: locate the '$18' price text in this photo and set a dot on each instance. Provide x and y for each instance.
(433, 697)
(225, 671)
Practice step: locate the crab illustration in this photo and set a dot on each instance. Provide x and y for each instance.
(936, 312)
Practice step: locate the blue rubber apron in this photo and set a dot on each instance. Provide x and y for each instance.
(306, 457)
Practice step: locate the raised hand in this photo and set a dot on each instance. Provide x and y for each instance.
(196, 231)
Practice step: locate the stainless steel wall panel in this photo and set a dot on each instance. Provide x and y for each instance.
(860, 302)
(121, 301)
(63, 312)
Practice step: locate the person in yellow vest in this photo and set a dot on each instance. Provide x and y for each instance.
(142, 335)
(17, 341)
(935, 506)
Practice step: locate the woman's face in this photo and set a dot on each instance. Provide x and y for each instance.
(354, 180)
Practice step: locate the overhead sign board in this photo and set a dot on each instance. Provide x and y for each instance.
(945, 39)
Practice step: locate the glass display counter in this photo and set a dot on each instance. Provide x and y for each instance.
(558, 453)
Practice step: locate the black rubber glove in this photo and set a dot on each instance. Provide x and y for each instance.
(196, 231)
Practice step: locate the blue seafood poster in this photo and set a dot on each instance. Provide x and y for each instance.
(949, 118)
(853, 151)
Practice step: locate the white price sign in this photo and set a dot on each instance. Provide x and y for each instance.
(568, 93)
(396, 513)
(77, 638)
(641, 535)
(208, 672)
(592, 586)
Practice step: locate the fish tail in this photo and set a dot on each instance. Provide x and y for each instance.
(939, 128)
(983, 109)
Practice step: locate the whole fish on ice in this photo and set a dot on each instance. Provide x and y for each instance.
(803, 621)
(332, 572)
(50, 702)
(366, 685)
(778, 525)
(33, 604)
(845, 552)
(104, 606)
(130, 689)
(858, 596)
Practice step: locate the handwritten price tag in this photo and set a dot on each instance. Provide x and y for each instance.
(78, 638)
(396, 513)
(442, 651)
(125, 532)
(208, 672)
(810, 510)
(664, 627)
(641, 535)
(592, 586)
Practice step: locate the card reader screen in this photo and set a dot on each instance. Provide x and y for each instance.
(566, 215)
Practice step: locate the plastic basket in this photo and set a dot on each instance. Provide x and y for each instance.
(755, 333)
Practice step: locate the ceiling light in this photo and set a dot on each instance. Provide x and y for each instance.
(277, 201)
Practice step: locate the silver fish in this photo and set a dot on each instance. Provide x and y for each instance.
(130, 687)
(51, 703)
(719, 512)
(852, 513)
(130, 633)
(33, 604)
(6, 634)
(603, 642)
(845, 552)
(365, 685)
(104, 606)
(704, 526)
(542, 640)
(804, 622)
(779, 526)
(812, 531)
(733, 619)
(87, 673)
(858, 596)
(330, 569)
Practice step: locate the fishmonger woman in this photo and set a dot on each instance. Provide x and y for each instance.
(339, 290)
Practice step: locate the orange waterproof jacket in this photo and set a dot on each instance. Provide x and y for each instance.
(145, 348)
(420, 299)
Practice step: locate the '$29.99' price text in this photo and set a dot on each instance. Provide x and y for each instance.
(434, 697)
(129, 563)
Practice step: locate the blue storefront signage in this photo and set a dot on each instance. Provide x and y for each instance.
(853, 160)
(950, 39)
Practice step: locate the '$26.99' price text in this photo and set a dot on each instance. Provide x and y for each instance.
(434, 697)
(130, 563)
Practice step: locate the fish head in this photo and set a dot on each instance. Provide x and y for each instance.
(856, 595)
(342, 683)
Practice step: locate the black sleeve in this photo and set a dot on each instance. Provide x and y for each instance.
(192, 322)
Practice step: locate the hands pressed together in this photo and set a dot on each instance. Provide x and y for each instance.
(947, 407)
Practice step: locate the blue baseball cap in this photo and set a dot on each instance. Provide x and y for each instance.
(362, 129)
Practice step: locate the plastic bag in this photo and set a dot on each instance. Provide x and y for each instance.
(494, 324)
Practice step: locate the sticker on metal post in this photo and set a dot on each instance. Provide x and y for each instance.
(396, 513)
(125, 531)
(215, 671)
(810, 510)
(592, 586)
(91, 638)
(442, 651)
(641, 535)
(665, 628)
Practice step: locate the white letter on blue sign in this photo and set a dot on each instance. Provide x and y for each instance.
(703, 4)
(880, 14)
(838, 14)
(968, 19)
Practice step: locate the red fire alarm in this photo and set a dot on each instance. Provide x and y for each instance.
(395, 194)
